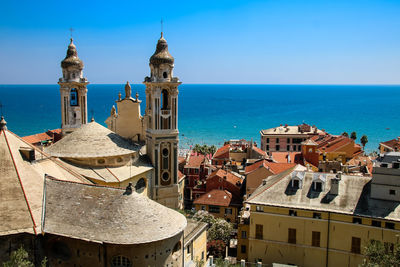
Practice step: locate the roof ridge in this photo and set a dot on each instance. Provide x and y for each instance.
(73, 182)
(20, 182)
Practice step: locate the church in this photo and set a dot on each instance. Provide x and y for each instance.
(102, 196)
(135, 148)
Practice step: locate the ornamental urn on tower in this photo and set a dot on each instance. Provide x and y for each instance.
(73, 91)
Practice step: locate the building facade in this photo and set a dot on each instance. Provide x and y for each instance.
(314, 219)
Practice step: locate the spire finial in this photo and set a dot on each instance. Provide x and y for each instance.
(71, 30)
(92, 112)
(137, 96)
(162, 27)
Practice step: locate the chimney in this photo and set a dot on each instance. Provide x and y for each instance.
(335, 186)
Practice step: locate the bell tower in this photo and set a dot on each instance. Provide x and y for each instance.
(73, 91)
(162, 125)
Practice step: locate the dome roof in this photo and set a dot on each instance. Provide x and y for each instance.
(92, 140)
(72, 59)
(161, 55)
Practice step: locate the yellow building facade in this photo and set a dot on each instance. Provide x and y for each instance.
(323, 229)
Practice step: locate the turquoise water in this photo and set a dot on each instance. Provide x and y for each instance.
(214, 113)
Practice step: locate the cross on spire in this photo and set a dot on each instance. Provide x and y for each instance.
(71, 30)
(162, 26)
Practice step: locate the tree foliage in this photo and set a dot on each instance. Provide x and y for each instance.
(216, 248)
(379, 254)
(345, 134)
(20, 258)
(205, 149)
(364, 140)
(353, 135)
(204, 216)
(220, 230)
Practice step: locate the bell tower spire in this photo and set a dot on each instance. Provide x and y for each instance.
(73, 91)
(162, 125)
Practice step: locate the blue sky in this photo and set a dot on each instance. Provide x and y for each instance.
(269, 42)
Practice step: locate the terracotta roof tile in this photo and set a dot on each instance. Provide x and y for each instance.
(274, 167)
(215, 197)
(221, 151)
(36, 138)
(394, 144)
(282, 157)
(195, 161)
(231, 178)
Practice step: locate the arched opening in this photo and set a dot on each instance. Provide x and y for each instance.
(140, 185)
(73, 97)
(165, 75)
(164, 100)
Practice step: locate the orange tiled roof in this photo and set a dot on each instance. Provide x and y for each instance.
(259, 151)
(221, 151)
(195, 161)
(215, 197)
(394, 144)
(36, 138)
(274, 167)
(231, 178)
(332, 143)
(181, 159)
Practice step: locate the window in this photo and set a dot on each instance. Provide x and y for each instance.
(277, 140)
(228, 211)
(259, 231)
(357, 220)
(243, 249)
(213, 209)
(395, 165)
(203, 207)
(376, 223)
(288, 140)
(392, 192)
(297, 140)
(120, 261)
(356, 245)
(165, 75)
(260, 208)
(389, 225)
(316, 215)
(73, 97)
(164, 100)
(292, 236)
(295, 183)
(202, 255)
(288, 148)
(267, 140)
(140, 185)
(277, 147)
(317, 186)
(267, 147)
(316, 237)
(292, 213)
(244, 234)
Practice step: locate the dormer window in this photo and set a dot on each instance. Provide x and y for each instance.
(318, 182)
(297, 180)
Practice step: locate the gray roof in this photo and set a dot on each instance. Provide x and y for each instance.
(353, 197)
(193, 229)
(106, 214)
(92, 140)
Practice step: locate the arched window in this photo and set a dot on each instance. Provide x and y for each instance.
(165, 75)
(164, 95)
(74, 97)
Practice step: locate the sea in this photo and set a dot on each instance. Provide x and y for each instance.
(213, 113)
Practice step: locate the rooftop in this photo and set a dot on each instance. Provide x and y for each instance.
(353, 196)
(92, 140)
(301, 129)
(106, 214)
(217, 197)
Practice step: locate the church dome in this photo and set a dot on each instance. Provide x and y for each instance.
(161, 55)
(72, 59)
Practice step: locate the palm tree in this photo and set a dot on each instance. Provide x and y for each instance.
(213, 149)
(353, 136)
(364, 140)
(345, 134)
